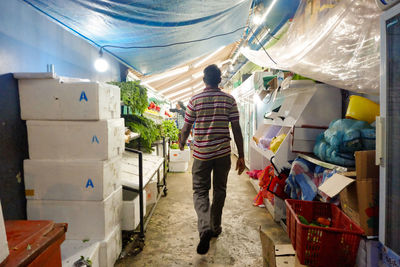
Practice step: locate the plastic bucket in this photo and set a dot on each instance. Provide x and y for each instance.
(363, 109)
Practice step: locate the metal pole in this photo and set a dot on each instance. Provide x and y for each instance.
(141, 194)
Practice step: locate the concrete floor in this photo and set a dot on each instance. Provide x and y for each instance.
(172, 237)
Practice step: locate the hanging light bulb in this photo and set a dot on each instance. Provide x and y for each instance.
(101, 65)
(257, 20)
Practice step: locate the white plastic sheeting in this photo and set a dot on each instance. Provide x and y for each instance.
(332, 41)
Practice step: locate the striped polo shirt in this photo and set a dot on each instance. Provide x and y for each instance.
(212, 110)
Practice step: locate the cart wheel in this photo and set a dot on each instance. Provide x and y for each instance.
(165, 192)
(141, 244)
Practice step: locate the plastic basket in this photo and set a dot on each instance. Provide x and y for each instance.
(363, 109)
(319, 246)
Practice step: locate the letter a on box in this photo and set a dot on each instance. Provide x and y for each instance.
(89, 183)
(83, 97)
(94, 139)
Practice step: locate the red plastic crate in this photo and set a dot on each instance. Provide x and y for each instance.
(319, 246)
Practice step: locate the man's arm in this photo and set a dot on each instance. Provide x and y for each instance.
(237, 134)
(184, 134)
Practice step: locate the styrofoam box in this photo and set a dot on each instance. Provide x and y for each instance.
(86, 219)
(71, 179)
(67, 99)
(72, 250)
(178, 155)
(131, 209)
(3, 239)
(98, 140)
(151, 190)
(178, 166)
(110, 248)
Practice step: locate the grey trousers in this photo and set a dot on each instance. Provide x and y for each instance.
(209, 218)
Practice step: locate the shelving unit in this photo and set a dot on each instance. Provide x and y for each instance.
(298, 107)
(305, 104)
(137, 170)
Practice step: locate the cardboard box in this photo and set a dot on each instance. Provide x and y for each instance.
(277, 255)
(365, 165)
(359, 197)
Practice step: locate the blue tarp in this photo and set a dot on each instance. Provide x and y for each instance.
(143, 23)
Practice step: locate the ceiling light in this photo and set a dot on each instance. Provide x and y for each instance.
(175, 85)
(257, 20)
(208, 57)
(179, 92)
(168, 74)
(268, 10)
(101, 65)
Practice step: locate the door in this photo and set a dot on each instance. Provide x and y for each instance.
(389, 231)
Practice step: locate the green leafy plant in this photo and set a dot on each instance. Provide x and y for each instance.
(169, 129)
(149, 132)
(176, 146)
(133, 95)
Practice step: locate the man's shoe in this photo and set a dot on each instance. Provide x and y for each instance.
(204, 244)
(217, 233)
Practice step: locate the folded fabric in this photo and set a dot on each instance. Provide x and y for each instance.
(303, 179)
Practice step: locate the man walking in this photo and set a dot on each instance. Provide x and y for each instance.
(212, 110)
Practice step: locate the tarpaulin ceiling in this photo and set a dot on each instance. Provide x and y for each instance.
(144, 23)
(335, 42)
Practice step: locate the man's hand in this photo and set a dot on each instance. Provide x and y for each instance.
(240, 165)
(181, 146)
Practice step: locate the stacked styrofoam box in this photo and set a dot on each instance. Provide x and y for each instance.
(3, 239)
(179, 160)
(76, 138)
(131, 209)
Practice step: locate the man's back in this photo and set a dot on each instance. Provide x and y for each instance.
(212, 110)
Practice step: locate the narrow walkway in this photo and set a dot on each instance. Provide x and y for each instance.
(172, 237)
